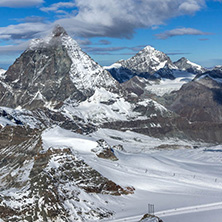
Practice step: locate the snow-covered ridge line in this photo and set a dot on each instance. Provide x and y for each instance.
(2, 72)
(85, 73)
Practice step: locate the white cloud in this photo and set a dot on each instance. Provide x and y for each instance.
(55, 7)
(190, 6)
(115, 18)
(20, 3)
(23, 30)
(109, 18)
(180, 32)
(12, 49)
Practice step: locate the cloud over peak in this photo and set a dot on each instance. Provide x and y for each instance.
(96, 18)
(114, 18)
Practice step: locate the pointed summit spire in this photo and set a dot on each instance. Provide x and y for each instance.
(59, 31)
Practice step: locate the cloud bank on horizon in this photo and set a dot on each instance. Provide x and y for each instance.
(86, 19)
(95, 18)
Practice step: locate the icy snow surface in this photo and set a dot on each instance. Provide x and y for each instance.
(183, 184)
(195, 65)
(22, 115)
(85, 73)
(97, 110)
(168, 85)
(2, 72)
(4, 122)
(113, 66)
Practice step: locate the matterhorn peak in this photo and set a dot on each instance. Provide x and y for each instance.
(55, 69)
(54, 38)
(58, 30)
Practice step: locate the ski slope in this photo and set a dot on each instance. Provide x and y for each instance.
(183, 184)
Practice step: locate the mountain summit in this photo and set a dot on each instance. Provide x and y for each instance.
(149, 60)
(59, 31)
(145, 64)
(184, 64)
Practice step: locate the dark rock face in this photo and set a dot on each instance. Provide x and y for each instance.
(49, 118)
(135, 85)
(9, 117)
(40, 76)
(172, 127)
(104, 150)
(198, 101)
(121, 74)
(165, 72)
(172, 147)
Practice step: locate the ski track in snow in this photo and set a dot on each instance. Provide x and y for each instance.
(176, 211)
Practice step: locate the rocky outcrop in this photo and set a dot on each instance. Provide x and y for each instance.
(172, 147)
(104, 150)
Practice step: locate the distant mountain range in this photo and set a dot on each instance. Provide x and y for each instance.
(151, 64)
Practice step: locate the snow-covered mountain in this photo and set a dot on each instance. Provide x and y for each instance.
(149, 60)
(74, 142)
(62, 85)
(51, 71)
(144, 64)
(152, 64)
(184, 64)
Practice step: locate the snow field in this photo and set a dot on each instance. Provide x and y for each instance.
(181, 183)
(168, 85)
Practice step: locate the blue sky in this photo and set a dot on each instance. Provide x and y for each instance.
(109, 30)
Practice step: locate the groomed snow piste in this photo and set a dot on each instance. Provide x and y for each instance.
(184, 184)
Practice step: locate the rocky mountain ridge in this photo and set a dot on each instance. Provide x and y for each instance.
(151, 64)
